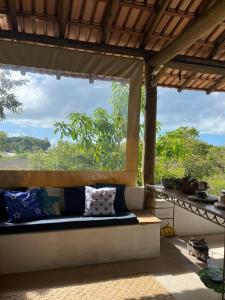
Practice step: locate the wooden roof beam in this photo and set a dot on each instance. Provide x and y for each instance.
(193, 67)
(12, 14)
(187, 81)
(181, 62)
(203, 24)
(217, 84)
(63, 11)
(110, 15)
(152, 24)
(73, 44)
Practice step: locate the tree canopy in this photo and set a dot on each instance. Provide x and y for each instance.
(22, 144)
(8, 100)
(102, 134)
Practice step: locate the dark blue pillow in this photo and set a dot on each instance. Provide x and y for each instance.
(3, 212)
(74, 200)
(23, 206)
(119, 203)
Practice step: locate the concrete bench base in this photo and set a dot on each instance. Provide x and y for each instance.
(57, 249)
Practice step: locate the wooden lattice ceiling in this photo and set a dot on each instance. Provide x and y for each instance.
(143, 26)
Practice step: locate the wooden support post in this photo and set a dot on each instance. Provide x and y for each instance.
(150, 127)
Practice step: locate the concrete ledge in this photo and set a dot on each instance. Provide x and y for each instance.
(57, 249)
(146, 217)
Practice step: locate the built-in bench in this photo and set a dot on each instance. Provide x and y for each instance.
(74, 241)
(65, 222)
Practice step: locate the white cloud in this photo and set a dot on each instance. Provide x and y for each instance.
(18, 133)
(47, 100)
(41, 123)
(205, 112)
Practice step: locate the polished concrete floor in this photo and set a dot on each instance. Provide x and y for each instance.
(174, 269)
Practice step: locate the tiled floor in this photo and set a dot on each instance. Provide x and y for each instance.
(174, 269)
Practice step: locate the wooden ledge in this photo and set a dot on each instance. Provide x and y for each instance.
(146, 217)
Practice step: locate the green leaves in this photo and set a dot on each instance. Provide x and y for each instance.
(8, 101)
(102, 135)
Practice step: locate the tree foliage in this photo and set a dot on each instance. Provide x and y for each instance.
(181, 152)
(8, 101)
(22, 144)
(103, 134)
(63, 156)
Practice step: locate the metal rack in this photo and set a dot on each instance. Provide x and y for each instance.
(206, 211)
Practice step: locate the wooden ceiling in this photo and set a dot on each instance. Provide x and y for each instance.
(144, 26)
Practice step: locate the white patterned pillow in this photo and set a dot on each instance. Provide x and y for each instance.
(99, 202)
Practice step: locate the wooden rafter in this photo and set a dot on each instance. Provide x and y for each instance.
(195, 67)
(215, 85)
(219, 44)
(206, 4)
(12, 14)
(160, 73)
(203, 24)
(152, 24)
(63, 11)
(110, 15)
(203, 8)
(187, 81)
(169, 11)
(81, 24)
(99, 27)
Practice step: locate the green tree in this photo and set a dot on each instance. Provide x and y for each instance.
(63, 156)
(8, 101)
(3, 137)
(22, 144)
(99, 135)
(175, 144)
(103, 134)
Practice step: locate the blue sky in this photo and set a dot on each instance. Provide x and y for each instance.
(46, 100)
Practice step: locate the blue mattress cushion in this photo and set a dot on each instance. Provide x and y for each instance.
(74, 200)
(68, 222)
(119, 202)
(23, 206)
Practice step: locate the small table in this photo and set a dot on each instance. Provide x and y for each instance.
(206, 211)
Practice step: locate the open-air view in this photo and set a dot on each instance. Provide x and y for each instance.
(89, 128)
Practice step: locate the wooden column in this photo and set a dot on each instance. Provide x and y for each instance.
(149, 144)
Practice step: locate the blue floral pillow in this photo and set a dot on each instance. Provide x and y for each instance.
(50, 204)
(23, 206)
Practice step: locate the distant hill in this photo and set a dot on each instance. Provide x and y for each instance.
(23, 144)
